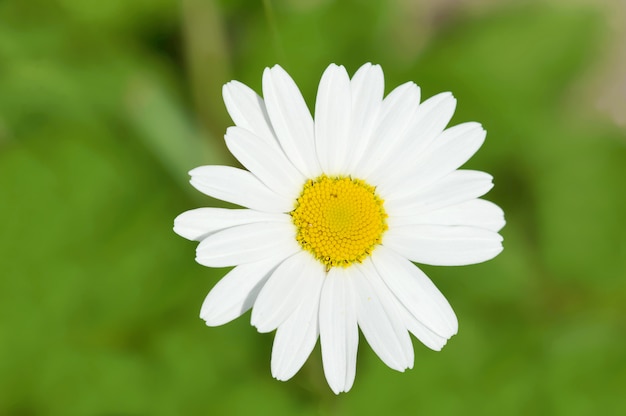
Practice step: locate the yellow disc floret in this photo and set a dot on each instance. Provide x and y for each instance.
(340, 220)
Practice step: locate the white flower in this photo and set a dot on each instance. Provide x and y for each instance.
(336, 210)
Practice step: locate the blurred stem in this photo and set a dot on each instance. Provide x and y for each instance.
(271, 21)
(166, 130)
(207, 61)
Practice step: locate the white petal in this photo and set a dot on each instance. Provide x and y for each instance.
(443, 245)
(394, 120)
(431, 118)
(266, 161)
(459, 186)
(238, 187)
(473, 213)
(197, 224)
(339, 334)
(296, 337)
(415, 291)
(447, 153)
(247, 110)
(332, 119)
(284, 291)
(427, 123)
(246, 244)
(380, 321)
(407, 320)
(236, 292)
(420, 331)
(367, 87)
(291, 120)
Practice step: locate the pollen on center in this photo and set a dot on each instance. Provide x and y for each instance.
(339, 220)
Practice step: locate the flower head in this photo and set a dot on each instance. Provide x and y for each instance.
(336, 209)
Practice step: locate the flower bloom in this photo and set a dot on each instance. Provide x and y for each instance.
(336, 209)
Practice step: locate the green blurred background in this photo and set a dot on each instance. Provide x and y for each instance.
(105, 106)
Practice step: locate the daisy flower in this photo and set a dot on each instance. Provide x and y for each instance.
(336, 209)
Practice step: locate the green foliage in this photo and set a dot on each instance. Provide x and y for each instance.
(99, 298)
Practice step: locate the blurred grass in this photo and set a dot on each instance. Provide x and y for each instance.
(105, 107)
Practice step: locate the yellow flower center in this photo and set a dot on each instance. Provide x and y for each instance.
(339, 220)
